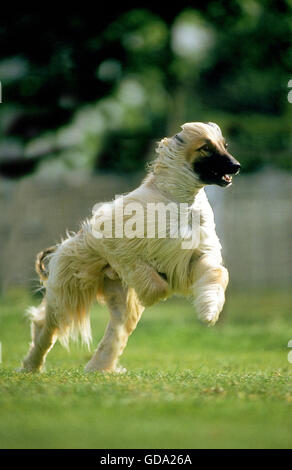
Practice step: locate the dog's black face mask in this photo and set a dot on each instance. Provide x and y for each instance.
(215, 166)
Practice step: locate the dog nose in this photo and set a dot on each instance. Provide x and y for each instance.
(236, 166)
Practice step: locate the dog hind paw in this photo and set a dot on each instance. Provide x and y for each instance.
(95, 368)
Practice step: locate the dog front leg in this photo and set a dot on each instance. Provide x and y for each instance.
(209, 288)
(148, 284)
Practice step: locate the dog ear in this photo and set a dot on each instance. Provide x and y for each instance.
(179, 138)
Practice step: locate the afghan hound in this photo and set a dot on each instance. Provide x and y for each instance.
(124, 259)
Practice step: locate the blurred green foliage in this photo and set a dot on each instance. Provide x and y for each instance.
(96, 92)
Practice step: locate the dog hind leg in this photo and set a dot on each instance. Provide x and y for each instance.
(43, 331)
(64, 312)
(125, 312)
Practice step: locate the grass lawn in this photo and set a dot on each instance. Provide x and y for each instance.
(188, 386)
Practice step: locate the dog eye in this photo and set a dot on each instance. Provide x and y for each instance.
(205, 148)
(226, 145)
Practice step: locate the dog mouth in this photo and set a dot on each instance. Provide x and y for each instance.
(220, 179)
(216, 169)
(225, 179)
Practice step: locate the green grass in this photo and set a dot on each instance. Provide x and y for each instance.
(188, 386)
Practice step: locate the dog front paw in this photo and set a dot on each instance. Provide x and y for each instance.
(209, 317)
(157, 289)
(209, 304)
(153, 293)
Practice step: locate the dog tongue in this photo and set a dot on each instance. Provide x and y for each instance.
(227, 178)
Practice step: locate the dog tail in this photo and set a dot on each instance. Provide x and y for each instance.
(41, 262)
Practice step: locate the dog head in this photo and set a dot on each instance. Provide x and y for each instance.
(205, 150)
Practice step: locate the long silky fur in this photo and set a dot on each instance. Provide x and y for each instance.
(77, 265)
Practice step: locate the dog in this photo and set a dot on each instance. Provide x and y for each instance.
(129, 273)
